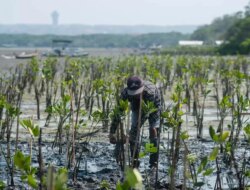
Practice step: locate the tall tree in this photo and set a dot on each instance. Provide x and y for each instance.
(217, 29)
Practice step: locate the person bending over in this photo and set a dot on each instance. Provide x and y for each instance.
(137, 92)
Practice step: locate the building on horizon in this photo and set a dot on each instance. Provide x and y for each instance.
(55, 18)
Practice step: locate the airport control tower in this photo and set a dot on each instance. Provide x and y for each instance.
(55, 18)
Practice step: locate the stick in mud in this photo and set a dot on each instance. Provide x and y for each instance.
(40, 160)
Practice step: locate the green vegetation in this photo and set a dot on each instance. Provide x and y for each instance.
(238, 38)
(216, 30)
(190, 50)
(232, 29)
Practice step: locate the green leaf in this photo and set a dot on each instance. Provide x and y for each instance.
(150, 148)
(18, 159)
(174, 97)
(180, 113)
(191, 157)
(224, 136)
(33, 170)
(209, 171)
(211, 132)
(66, 98)
(24, 178)
(165, 114)
(2, 185)
(148, 107)
(133, 177)
(184, 135)
(105, 184)
(247, 131)
(203, 164)
(61, 179)
(36, 131)
(247, 173)
(32, 128)
(26, 123)
(119, 186)
(125, 185)
(142, 154)
(32, 181)
(214, 154)
(213, 135)
(228, 146)
(123, 105)
(27, 163)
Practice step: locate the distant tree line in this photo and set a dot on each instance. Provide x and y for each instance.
(96, 40)
(216, 30)
(233, 29)
(238, 36)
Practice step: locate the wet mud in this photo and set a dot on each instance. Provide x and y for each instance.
(97, 164)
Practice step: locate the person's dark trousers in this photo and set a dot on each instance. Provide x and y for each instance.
(153, 158)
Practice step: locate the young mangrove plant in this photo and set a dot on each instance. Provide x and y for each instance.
(174, 121)
(49, 70)
(103, 88)
(11, 114)
(23, 162)
(61, 110)
(199, 81)
(239, 121)
(32, 71)
(119, 115)
(220, 140)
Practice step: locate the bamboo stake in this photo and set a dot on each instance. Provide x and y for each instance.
(138, 133)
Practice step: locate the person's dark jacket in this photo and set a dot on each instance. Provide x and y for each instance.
(150, 94)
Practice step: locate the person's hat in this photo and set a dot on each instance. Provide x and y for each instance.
(135, 85)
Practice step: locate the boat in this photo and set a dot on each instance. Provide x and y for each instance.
(67, 52)
(61, 48)
(8, 56)
(25, 55)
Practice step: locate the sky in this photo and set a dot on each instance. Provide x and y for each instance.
(118, 12)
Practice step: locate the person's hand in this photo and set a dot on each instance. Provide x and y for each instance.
(112, 138)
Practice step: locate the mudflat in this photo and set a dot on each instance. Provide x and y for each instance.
(8, 60)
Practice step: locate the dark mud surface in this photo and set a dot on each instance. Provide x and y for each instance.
(98, 164)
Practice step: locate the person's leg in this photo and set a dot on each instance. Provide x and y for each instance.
(153, 134)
